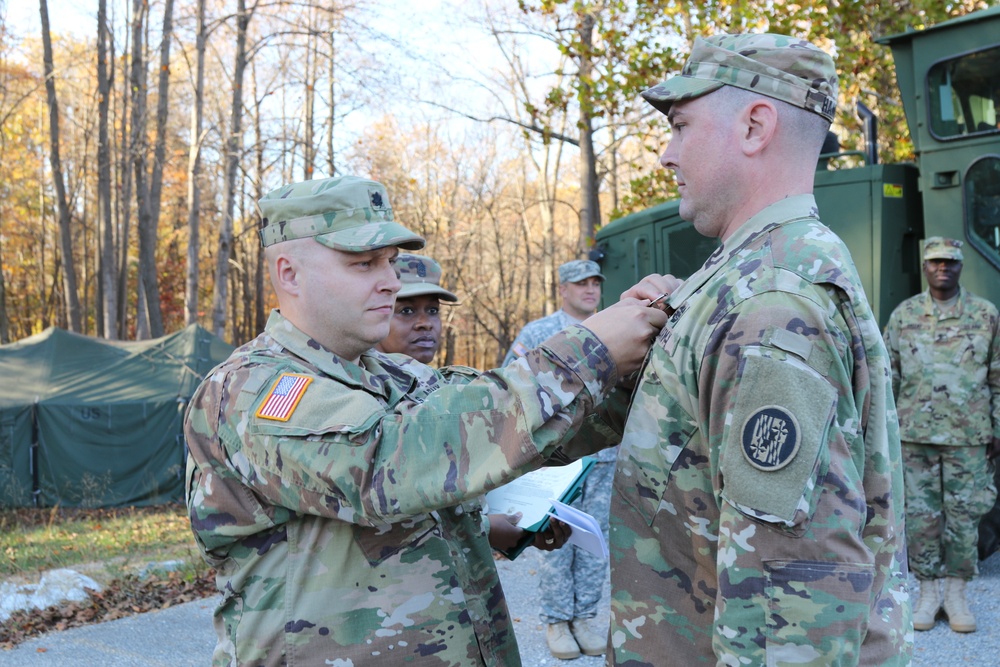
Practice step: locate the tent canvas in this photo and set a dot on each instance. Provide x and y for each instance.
(91, 422)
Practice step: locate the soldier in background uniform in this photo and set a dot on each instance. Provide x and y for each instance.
(336, 491)
(757, 512)
(944, 346)
(415, 332)
(571, 580)
(580, 283)
(415, 328)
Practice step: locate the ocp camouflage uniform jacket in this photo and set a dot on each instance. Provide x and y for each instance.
(757, 517)
(351, 533)
(537, 332)
(946, 370)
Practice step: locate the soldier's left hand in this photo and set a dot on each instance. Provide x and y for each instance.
(993, 449)
(553, 537)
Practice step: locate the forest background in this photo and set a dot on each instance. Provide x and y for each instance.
(136, 135)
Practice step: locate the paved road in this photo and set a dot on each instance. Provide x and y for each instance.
(183, 635)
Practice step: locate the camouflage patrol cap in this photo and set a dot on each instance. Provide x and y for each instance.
(579, 269)
(938, 247)
(788, 69)
(345, 213)
(420, 275)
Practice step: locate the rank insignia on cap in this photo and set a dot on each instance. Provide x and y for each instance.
(284, 396)
(770, 438)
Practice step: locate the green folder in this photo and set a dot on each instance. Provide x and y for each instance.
(530, 495)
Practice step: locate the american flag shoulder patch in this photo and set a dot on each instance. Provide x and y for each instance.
(520, 350)
(285, 394)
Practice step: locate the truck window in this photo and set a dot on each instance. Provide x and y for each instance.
(964, 94)
(982, 206)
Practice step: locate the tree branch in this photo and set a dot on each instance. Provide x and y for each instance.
(532, 128)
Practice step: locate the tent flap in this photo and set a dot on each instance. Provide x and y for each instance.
(15, 456)
(112, 455)
(106, 416)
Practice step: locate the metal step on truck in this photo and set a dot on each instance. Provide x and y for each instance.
(949, 81)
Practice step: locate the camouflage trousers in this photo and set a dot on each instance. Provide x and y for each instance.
(948, 489)
(572, 579)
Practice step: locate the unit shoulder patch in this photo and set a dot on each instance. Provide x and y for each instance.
(770, 438)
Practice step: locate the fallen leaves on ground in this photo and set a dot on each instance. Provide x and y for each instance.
(120, 598)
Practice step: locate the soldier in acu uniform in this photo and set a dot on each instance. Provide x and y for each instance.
(757, 513)
(944, 345)
(336, 491)
(572, 580)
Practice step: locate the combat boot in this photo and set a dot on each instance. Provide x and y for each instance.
(591, 639)
(561, 642)
(956, 607)
(926, 610)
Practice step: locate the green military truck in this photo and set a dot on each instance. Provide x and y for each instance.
(949, 80)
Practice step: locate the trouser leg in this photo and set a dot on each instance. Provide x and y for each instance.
(968, 494)
(924, 511)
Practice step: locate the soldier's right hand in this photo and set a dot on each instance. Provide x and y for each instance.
(653, 287)
(627, 329)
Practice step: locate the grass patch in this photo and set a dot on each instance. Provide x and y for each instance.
(34, 540)
(108, 545)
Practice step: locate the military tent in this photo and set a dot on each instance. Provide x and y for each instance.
(87, 422)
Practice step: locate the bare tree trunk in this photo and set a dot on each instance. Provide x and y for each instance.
(259, 314)
(142, 323)
(331, 163)
(194, 173)
(613, 173)
(109, 293)
(148, 281)
(4, 315)
(233, 145)
(71, 298)
(590, 205)
(312, 68)
(162, 111)
(124, 206)
(4, 319)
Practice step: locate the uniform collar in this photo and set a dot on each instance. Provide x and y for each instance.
(779, 213)
(931, 308)
(375, 373)
(566, 317)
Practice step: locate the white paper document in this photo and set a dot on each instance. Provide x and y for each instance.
(529, 494)
(587, 533)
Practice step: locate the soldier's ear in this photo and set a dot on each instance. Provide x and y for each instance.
(759, 121)
(286, 274)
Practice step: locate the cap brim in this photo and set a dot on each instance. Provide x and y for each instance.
(678, 88)
(372, 236)
(941, 255)
(425, 289)
(589, 275)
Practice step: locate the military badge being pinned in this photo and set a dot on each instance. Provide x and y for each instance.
(284, 396)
